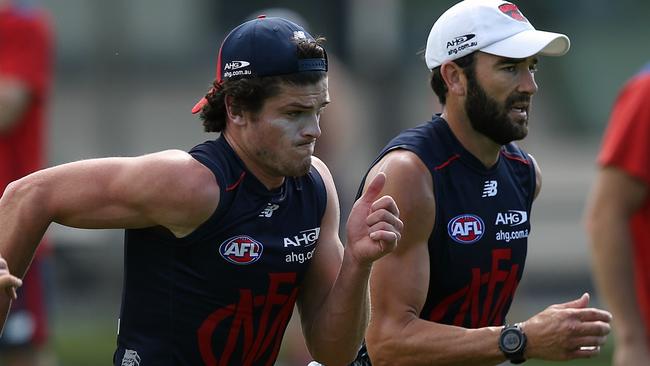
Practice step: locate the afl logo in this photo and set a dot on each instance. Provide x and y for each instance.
(241, 250)
(466, 229)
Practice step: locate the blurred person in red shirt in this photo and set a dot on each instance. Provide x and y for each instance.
(25, 76)
(618, 216)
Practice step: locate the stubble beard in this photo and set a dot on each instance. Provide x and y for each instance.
(284, 167)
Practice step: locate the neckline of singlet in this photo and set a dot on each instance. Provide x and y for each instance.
(465, 155)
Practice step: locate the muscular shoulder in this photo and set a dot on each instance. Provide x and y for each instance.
(408, 181)
(404, 167)
(538, 176)
(325, 173)
(185, 186)
(179, 169)
(328, 180)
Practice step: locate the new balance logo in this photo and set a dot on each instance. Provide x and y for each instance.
(268, 211)
(130, 358)
(299, 35)
(490, 188)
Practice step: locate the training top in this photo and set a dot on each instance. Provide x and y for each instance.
(626, 145)
(477, 249)
(25, 56)
(222, 295)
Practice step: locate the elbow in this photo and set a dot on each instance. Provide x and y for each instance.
(384, 349)
(335, 358)
(14, 192)
(25, 197)
(333, 353)
(592, 222)
(385, 355)
(380, 355)
(21, 190)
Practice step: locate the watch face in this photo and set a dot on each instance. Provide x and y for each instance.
(511, 340)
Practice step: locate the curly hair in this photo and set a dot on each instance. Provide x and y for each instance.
(438, 83)
(250, 94)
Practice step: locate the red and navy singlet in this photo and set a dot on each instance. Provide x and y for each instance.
(222, 295)
(477, 249)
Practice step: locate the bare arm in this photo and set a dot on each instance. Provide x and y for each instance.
(333, 301)
(615, 198)
(538, 177)
(14, 97)
(399, 283)
(169, 188)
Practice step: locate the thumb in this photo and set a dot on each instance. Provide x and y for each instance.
(10, 283)
(581, 302)
(375, 186)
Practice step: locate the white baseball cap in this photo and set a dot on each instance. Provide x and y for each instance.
(491, 26)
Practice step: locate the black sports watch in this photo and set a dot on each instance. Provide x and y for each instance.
(512, 343)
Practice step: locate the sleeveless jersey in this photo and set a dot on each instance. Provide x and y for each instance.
(224, 294)
(478, 245)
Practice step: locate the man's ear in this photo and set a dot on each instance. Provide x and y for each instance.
(234, 112)
(454, 78)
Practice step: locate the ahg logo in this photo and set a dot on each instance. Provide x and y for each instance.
(234, 65)
(460, 40)
(304, 238)
(512, 218)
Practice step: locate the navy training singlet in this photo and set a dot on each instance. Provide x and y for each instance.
(224, 294)
(477, 249)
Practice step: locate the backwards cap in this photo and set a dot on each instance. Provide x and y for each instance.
(263, 47)
(492, 26)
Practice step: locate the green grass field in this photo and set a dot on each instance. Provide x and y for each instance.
(93, 343)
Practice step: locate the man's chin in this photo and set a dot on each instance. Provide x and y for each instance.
(302, 169)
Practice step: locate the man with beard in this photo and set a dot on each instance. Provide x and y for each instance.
(221, 242)
(465, 192)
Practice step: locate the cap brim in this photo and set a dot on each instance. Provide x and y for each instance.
(530, 42)
(199, 105)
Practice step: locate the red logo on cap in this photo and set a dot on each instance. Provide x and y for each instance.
(513, 12)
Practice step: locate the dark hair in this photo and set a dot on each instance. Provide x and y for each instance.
(438, 83)
(251, 94)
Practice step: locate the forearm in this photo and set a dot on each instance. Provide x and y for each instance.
(422, 342)
(24, 222)
(23, 225)
(14, 97)
(613, 268)
(338, 328)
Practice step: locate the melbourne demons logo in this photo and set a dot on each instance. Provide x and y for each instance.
(466, 228)
(513, 12)
(241, 250)
(249, 331)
